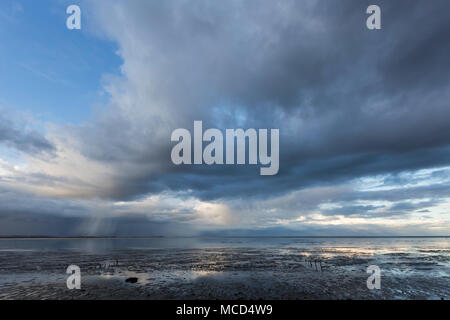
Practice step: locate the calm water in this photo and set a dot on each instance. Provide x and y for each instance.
(379, 245)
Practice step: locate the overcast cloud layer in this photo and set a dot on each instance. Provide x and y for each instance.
(364, 122)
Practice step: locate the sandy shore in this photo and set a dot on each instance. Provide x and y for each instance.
(225, 273)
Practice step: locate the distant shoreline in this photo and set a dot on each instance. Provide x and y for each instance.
(211, 237)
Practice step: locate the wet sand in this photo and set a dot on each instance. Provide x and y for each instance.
(227, 273)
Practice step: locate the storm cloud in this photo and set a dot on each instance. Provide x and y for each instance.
(350, 103)
(16, 135)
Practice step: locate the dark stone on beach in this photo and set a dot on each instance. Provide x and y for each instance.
(132, 280)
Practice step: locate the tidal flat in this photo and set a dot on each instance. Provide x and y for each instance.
(237, 268)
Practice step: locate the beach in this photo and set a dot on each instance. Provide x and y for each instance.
(239, 268)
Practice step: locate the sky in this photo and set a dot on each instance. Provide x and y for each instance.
(86, 117)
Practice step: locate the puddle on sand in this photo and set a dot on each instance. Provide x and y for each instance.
(144, 278)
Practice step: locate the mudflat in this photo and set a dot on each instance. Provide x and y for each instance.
(240, 272)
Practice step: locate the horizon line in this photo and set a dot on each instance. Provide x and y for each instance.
(18, 237)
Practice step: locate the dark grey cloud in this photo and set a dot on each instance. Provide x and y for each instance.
(17, 136)
(397, 210)
(349, 102)
(43, 224)
(25, 214)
